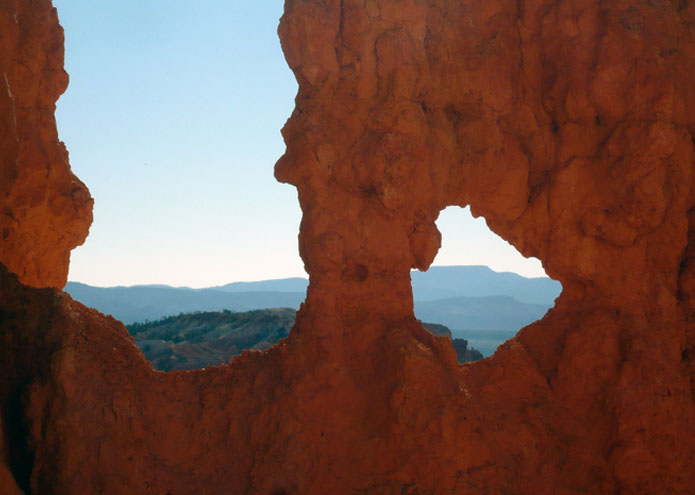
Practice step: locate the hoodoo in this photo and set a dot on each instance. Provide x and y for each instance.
(45, 210)
(568, 125)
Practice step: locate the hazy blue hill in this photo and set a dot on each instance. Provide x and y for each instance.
(481, 313)
(157, 286)
(465, 298)
(130, 304)
(442, 282)
(295, 284)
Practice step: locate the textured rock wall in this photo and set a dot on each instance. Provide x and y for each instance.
(45, 211)
(567, 124)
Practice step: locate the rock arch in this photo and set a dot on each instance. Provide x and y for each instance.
(567, 125)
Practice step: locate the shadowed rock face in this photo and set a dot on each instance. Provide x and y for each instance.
(568, 125)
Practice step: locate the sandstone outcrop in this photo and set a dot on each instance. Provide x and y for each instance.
(567, 124)
(45, 210)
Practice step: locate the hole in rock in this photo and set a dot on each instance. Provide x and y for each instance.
(172, 119)
(479, 286)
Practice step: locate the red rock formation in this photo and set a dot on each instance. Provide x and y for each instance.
(45, 210)
(568, 125)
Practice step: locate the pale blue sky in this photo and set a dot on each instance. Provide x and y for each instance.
(173, 119)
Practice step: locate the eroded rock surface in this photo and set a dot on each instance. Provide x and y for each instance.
(45, 211)
(568, 125)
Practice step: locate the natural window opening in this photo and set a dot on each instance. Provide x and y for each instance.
(480, 287)
(172, 118)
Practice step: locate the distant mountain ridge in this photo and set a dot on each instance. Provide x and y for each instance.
(293, 284)
(444, 282)
(464, 298)
(439, 282)
(480, 313)
(140, 303)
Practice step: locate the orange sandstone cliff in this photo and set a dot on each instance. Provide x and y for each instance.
(45, 210)
(568, 125)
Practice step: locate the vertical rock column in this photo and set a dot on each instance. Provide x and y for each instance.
(45, 211)
(357, 154)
